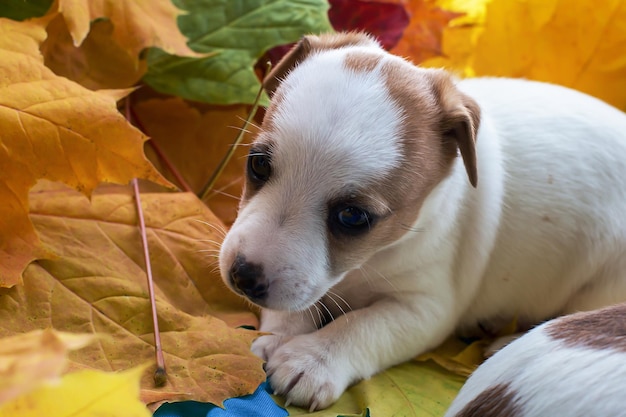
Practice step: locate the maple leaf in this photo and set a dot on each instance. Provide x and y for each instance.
(98, 63)
(423, 37)
(89, 393)
(203, 135)
(574, 44)
(53, 128)
(137, 24)
(98, 285)
(235, 34)
(386, 20)
(28, 360)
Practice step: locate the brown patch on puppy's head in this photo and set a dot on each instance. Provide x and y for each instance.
(599, 329)
(495, 401)
(307, 45)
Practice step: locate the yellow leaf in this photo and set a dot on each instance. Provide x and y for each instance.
(576, 44)
(409, 389)
(83, 394)
(137, 24)
(53, 128)
(28, 360)
(98, 285)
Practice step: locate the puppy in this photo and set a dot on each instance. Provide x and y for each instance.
(387, 206)
(573, 366)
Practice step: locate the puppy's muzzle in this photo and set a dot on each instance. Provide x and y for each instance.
(248, 279)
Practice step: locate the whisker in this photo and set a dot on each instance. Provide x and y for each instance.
(332, 318)
(312, 317)
(213, 192)
(239, 128)
(219, 229)
(412, 229)
(343, 313)
(250, 122)
(341, 299)
(319, 315)
(384, 278)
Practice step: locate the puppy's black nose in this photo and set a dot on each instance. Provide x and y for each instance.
(248, 278)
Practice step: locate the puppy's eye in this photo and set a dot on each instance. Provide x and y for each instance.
(259, 167)
(350, 220)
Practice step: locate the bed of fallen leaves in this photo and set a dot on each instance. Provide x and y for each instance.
(97, 92)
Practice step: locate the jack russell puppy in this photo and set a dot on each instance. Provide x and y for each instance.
(388, 206)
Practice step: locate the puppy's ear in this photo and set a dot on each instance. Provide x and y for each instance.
(460, 121)
(296, 55)
(306, 46)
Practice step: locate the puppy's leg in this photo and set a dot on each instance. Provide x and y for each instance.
(314, 369)
(283, 325)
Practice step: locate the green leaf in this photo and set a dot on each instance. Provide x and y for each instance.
(236, 33)
(24, 9)
(413, 389)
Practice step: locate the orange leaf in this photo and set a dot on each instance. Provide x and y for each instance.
(97, 63)
(195, 139)
(422, 38)
(137, 24)
(98, 285)
(53, 128)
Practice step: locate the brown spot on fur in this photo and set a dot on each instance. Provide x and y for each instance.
(496, 401)
(428, 101)
(361, 61)
(306, 46)
(598, 329)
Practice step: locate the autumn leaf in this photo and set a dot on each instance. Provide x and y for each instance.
(55, 129)
(98, 63)
(203, 135)
(235, 35)
(31, 359)
(423, 37)
(98, 285)
(575, 44)
(410, 389)
(137, 24)
(384, 19)
(84, 393)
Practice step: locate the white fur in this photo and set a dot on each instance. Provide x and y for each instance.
(544, 233)
(546, 377)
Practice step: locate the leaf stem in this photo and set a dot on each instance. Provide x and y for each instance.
(132, 117)
(160, 375)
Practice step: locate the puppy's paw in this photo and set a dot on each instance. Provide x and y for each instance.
(265, 346)
(307, 374)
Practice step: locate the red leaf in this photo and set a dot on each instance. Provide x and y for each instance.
(383, 19)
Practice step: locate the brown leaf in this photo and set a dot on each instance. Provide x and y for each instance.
(195, 139)
(53, 128)
(422, 38)
(98, 285)
(99, 62)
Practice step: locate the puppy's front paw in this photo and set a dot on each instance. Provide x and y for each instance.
(265, 346)
(308, 374)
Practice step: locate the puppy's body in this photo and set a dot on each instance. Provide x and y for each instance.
(572, 366)
(354, 130)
